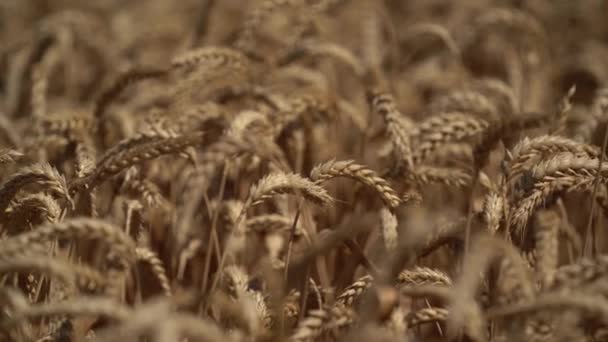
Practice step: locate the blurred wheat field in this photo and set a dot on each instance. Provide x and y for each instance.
(303, 170)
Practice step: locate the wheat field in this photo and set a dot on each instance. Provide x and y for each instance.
(303, 170)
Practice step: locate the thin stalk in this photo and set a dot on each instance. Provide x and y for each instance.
(590, 231)
(467, 232)
(211, 241)
(354, 248)
(292, 235)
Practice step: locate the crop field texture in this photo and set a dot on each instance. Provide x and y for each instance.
(303, 170)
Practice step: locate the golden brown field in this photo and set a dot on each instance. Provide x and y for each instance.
(303, 170)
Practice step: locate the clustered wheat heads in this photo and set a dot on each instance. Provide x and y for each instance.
(327, 170)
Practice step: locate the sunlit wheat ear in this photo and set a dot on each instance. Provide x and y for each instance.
(246, 121)
(145, 190)
(141, 153)
(390, 234)
(529, 150)
(262, 315)
(564, 172)
(423, 276)
(318, 322)
(9, 156)
(493, 211)
(546, 234)
(301, 108)
(506, 127)
(269, 224)
(443, 129)
(78, 228)
(288, 183)
(82, 276)
(291, 305)
(426, 315)
(354, 291)
(84, 156)
(237, 280)
(451, 177)
(31, 210)
(69, 125)
(397, 126)
(150, 135)
(211, 57)
(40, 174)
(360, 173)
(149, 257)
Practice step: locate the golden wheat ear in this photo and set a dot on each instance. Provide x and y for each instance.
(287, 183)
(398, 126)
(78, 228)
(563, 172)
(41, 174)
(360, 173)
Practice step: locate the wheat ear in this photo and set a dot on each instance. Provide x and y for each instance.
(396, 125)
(41, 174)
(148, 256)
(360, 173)
(84, 228)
